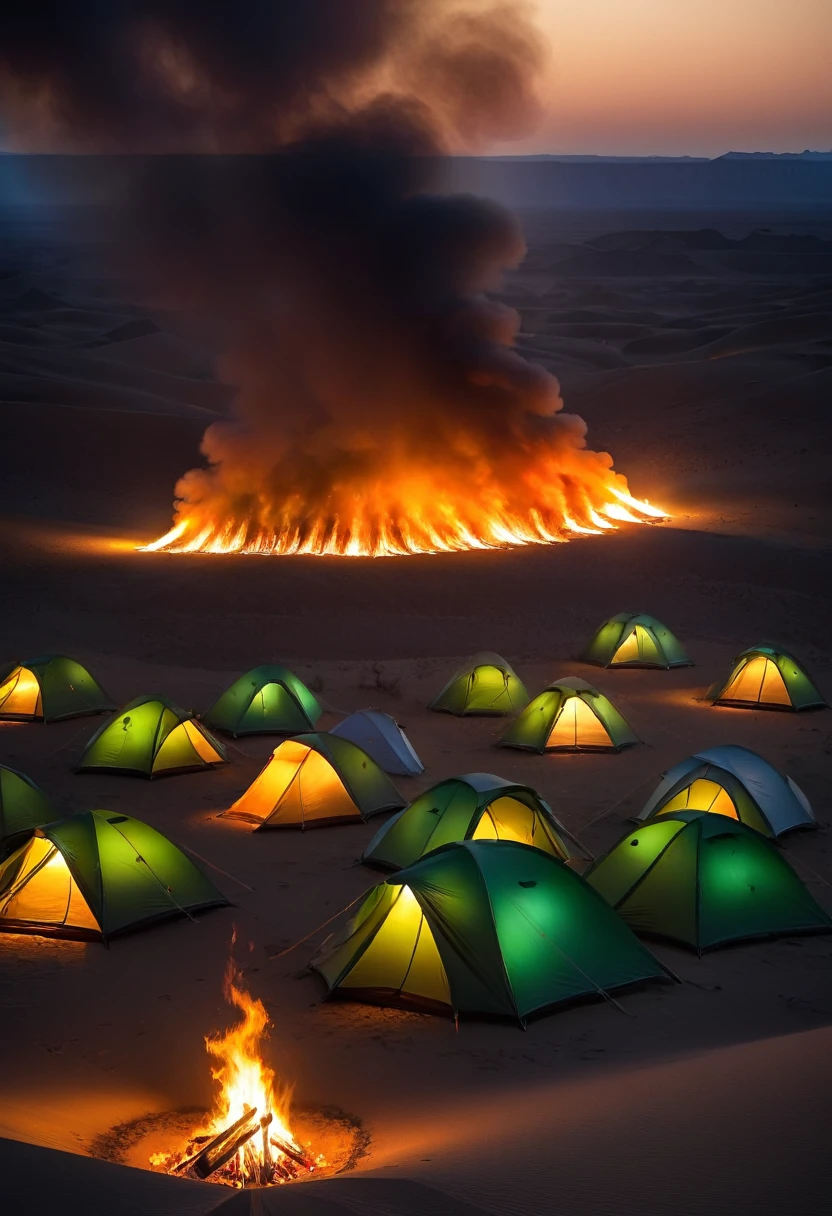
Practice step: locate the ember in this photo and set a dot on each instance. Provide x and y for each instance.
(247, 1141)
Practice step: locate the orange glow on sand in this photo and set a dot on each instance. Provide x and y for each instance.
(398, 520)
(246, 1086)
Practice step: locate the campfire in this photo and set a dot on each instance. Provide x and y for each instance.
(247, 1140)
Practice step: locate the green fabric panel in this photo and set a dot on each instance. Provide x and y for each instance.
(144, 876)
(747, 809)
(67, 689)
(273, 707)
(180, 753)
(750, 890)
(308, 702)
(673, 652)
(605, 642)
(453, 896)
(649, 649)
(76, 838)
(370, 787)
(335, 959)
(615, 874)
(617, 725)
(23, 805)
(439, 815)
(803, 692)
(531, 728)
(127, 741)
(665, 901)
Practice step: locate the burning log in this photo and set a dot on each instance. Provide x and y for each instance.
(222, 1148)
(294, 1154)
(267, 1166)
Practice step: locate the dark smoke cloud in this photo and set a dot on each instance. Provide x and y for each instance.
(351, 298)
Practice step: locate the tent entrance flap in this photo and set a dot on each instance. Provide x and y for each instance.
(507, 819)
(759, 680)
(637, 647)
(703, 795)
(20, 694)
(577, 726)
(44, 892)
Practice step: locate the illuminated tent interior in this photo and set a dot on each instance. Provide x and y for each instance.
(486, 686)
(484, 927)
(736, 783)
(704, 881)
(48, 689)
(151, 737)
(629, 640)
(98, 874)
(23, 807)
(316, 779)
(569, 716)
(766, 677)
(381, 737)
(268, 700)
(478, 806)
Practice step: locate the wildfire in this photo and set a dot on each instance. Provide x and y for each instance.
(247, 1140)
(435, 522)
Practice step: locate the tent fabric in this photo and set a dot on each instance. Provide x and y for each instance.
(634, 640)
(268, 700)
(23, 806)
(572, 716)
(316, 779)
(151, 737)
(485, 686)
(704, 881)
(384, 741)
(760, 797)
(766, 677)
(98, 874)
(49, 689)
(478, 806)
(484, 927)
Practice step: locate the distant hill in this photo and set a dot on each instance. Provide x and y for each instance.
(805, 155)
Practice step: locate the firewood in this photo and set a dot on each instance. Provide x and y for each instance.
(205, 1168)
(294, 1154)
(201, 1164)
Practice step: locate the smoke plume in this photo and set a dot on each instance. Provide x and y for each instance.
(380, 405)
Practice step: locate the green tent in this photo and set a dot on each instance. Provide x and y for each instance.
(267, 700)
(316, 779)
(48, 689)
(766, 677)
(629, 640)
(569, 716)
(98, 874)
(737, 783)
(484, 927)
(478, 806)
(23, 806)
(704, 880)
(150, 737)
(485, 686)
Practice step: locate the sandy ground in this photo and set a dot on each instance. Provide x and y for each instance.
(700, 354)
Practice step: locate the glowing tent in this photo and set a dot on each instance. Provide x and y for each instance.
(629, 640)
(98, 874)
(704, 881)
(487, 686)
(316, 779)
(150, 737)
(384, 741)
(766, 677)
(48, 689)
(267, 700)
(484, 927)
(734, 782)
(569, 716)
(478, 806)
(23, 806)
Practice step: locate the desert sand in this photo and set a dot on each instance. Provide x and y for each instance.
(699, 350)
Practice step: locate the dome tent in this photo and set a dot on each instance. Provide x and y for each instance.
(23, 807)
(316, 779)
(486, 685)
(478, 806)
(704, 881)
(766, 677)
(151, 737)
(629, 640)
(735, 782)
(267, 700)
(569, 715)
(484, 927)
(49, 689)
(384, 741)
(98, 874)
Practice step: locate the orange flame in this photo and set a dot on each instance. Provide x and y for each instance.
(412, 515)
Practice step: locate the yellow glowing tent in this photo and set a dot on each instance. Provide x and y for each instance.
(766, 677)
(316, 779)
(150, 737)
(48, 689)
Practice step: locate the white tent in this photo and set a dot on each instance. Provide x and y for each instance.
(384, 741)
